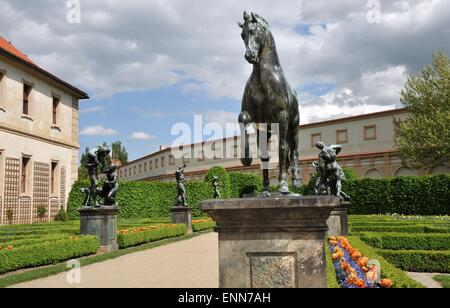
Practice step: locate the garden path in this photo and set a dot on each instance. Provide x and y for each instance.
(426, 279)
(191, 263)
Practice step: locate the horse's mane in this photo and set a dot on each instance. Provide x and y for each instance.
(262, 21)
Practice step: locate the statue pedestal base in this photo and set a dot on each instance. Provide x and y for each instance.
(338, 221)
(182, 215)
(275, 242)
(101, 222)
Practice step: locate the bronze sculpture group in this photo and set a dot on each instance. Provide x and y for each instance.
(97, 158)
(181, 199)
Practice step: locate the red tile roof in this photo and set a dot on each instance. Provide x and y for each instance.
(4, 44)
(7, 49)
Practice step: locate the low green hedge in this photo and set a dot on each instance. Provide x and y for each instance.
(34, 240)
(196, 227)
(47, 253)
(419, 260)
(139, 238)
(332, 282)
(244, 183)
(401, 229)
(388, 270)
(412, 241)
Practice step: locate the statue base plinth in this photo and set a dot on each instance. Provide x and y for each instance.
(101, 222)
(272, 242)
(338, 221)
(182, 215)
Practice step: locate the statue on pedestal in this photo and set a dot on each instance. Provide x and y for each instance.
(329, 174)
(269, 99)
(96, 157)
(181, 199)
(216, 185)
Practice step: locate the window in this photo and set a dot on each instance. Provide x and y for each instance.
(53, 187)
(125, 173)
(342, 136)
(2, 91)
(129, 172)
(315, 138)
(151, 165)
(140, 168)
(235, 151)
(370, 132)
(134, 173)
(156, 163)
(24, 175)
(171, 160)
(145, 167)
(26, 98)
(56, 102)
(163, 161)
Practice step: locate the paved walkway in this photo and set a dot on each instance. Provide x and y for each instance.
(426, 279)
(191, 263)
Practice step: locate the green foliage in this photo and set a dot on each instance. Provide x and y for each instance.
(308, 189)
(47, 253)
(426, 195)
(444, 280)
(388, 270)
(419, 260)
(402, 229)
(414, 241)
(244, 183)
(9, 215)
(196, 227)
(224, 180)
(145, 199)
(119, 152)
(27, 241)
(423, 139)
(139, 238)
(41, 211)
(62, 215)
(332, 282)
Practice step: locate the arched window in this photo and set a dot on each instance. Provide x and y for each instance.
(373, 174)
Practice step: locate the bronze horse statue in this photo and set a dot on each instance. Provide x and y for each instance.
(269, 99)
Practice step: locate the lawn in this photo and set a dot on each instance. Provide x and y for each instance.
(444, 280)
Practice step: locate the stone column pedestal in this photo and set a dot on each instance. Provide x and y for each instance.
(276, 242)
(182, 215)
(101, 222)
(338, 221)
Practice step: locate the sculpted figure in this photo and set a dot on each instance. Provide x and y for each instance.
(181, 199)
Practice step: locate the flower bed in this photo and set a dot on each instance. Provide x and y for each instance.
(351, 267)
(203, 224)
(141, 235)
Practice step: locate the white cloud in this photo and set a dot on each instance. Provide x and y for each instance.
(141, 136)
(93, 109)
(98, 130)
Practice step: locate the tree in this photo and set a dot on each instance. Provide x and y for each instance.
(119, 152)
(423, 140)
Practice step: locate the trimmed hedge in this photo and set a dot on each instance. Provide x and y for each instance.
(47, 253)
(401, 229)
(33, 240)
(196, 227)
(244, 183)
(425, 195)
(388, 270)
(414, 241)
(332, 282)
(139, 238)
(224, 180)
(419, 260)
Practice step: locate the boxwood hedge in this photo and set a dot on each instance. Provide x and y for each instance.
(139, 238)
(412, 241)
(419, 260)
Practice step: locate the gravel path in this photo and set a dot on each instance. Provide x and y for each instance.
(426, 279)
(191, 263)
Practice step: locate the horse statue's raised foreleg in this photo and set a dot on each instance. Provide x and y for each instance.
(283, 186)
(244, 121)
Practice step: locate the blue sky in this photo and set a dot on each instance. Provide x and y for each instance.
(148, 64)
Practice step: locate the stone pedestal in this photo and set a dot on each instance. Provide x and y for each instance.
(182, 215)
(276, 242)
(338, 221)
(101, 222)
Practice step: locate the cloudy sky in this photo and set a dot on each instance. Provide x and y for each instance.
(148, 64)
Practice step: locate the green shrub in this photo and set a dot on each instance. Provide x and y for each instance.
(308, 189)
(413, 241)
(388, 270)
(196, 227)
(62, 215)
(244, 183)
(41, 211)
(332, 282)
(10, 215)
(444, 280)
(419, 260)
(401, 229)
(139, 238)
(224, 180)
(425, 195)
(47, 253)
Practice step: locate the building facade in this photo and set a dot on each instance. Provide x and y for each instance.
(38, 139)
(368, 142)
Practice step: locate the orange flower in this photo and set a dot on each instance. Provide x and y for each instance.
(386, 283)
(359, 283)
(335, 256)
(356, 255)
(10, 247)
(362, 262)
